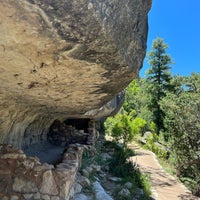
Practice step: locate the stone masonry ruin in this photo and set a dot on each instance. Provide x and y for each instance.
(23, 178)
(49, 170)
(71, 131)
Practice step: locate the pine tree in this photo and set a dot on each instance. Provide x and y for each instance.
(159, 77)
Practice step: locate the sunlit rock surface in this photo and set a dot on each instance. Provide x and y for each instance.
(65, 58)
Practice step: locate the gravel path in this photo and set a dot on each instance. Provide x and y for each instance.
(164, 186)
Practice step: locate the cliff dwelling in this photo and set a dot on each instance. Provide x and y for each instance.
(50, 148)
(63, 65)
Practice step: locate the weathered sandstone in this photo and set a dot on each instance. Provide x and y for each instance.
(64, 59)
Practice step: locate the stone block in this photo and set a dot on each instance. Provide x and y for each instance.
(36, 196)
(5, 198)
(13, 156)
(28, 196)
(65, 189)
(45, 197)
(14, 197)
(48, 185)
(55, 198)
(22, 185)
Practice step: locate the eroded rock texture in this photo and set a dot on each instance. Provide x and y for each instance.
(65, 58)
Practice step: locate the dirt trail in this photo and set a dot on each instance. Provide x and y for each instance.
(164, 186)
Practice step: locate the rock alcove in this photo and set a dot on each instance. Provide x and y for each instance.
(50, 148)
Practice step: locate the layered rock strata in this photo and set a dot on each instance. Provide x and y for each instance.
(64, 59)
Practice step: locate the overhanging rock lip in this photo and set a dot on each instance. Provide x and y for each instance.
(46, 76)
(109, 109)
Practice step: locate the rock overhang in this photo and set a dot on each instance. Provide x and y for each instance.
(62, 59)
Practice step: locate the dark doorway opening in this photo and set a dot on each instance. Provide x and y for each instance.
(79, 124)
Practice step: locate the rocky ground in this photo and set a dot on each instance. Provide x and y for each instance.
(94, 181)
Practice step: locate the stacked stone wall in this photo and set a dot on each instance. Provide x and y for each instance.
(64, 134)
(24, 178)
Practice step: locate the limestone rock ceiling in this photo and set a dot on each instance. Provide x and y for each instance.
(65, 58)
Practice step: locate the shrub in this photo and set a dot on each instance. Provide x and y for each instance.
(153, 145)
(123, 128)
(120, 128)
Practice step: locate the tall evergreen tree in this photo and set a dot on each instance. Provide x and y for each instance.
(159, 77)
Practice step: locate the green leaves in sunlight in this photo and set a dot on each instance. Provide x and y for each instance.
(123, 128)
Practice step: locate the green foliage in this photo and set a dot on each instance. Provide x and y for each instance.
(152, 145)
(159, 61)
(108, 124)
(119, 165)
(131, 103)
(152, 127)
(137, 100)
(182, 122)
(138, 124)
(120, 128)
(123, 128)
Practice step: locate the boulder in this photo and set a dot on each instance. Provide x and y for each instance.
(100, 193)
(124, 193)
(128, 185)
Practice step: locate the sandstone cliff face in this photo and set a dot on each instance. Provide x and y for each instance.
(65, 59)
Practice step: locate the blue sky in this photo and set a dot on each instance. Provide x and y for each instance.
(178, 23)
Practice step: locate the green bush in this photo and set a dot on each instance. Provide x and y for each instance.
(120, 128)
(151, 141)
(123, 128)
